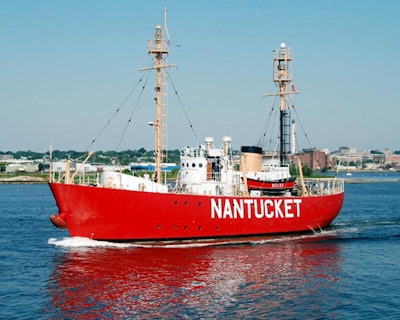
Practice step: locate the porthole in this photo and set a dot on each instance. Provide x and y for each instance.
(176, 202)
(200, 204)
(185, 227)
(200, 165)
(159, 226)
(186, 203)
(200, 227)
(193, 165)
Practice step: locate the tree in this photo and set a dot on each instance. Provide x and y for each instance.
(293, 170)
(307, 171)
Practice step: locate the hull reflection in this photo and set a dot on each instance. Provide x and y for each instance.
(242, 280)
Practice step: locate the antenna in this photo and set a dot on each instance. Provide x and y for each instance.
(165, 23)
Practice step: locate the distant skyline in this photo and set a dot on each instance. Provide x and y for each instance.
(66, 66)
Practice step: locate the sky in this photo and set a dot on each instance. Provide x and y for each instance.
(67, 66)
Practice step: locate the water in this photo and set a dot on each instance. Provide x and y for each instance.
(381, 176)
(351, 270)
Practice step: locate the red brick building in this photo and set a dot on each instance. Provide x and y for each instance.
(314, 159)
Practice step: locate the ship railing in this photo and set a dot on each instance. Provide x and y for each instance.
(155, 46)
(83, 178)
(324, 186)
(215, 176)
(274, 168)
(192, 152)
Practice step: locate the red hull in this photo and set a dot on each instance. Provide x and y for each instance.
(122, 215)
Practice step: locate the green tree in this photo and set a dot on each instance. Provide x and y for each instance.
(293, 170)
(307, 171)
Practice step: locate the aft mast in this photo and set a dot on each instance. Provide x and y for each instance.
(159, 47)
(282, 76)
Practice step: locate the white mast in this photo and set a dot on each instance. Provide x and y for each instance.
(159, 47)
(293, 132)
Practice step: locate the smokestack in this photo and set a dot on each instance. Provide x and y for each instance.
(227, 143)
(209, 141)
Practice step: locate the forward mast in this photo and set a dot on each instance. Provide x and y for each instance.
(159, 47)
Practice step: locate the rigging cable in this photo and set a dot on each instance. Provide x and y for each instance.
(183, 108)
(115, 113)
(305, 133)
(133, 111)
(273, 130)
(302, 127)
(262, 137)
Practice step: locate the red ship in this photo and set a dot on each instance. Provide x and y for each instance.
(212, 197)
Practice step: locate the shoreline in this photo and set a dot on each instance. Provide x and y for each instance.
(27, 179)
(369, 180)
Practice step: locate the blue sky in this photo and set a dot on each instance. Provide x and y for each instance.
(66, 66)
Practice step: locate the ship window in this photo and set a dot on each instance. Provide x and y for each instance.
(186, 203)
(199, 204)
(185, 227)
(200, 227)
(193, 165)
(159, 226)
(176, 202)
(200, 165)
(216, 228)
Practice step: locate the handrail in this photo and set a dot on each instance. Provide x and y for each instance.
(80, 167)
(324, 186)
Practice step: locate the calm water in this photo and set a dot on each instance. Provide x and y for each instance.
(368, 176)
(351, 271)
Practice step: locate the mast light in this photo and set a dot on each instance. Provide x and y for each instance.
(158, 35)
